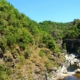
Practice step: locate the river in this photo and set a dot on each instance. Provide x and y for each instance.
(71, 78)
(72, 68)
(70, 75)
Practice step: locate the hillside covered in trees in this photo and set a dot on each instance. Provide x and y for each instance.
(28, 48)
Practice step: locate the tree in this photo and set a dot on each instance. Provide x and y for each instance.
(78, 25)
(2, 0)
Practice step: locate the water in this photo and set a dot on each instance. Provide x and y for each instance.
(72, 68)
(72, 78)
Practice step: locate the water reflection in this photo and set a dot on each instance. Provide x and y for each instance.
(72, 78)
(72, 68)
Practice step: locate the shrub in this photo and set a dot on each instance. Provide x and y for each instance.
(21, 58)
(27, 53)
(22, 46)
(4, 75)
(49, 65)
(41, 53)
(50, 45)
(3, 43)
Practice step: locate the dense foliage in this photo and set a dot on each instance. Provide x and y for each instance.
(18, 30)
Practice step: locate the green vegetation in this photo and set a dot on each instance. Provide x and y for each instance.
(41, 53)
(21, 37)
(49, 65)
(4, 74)
(27, 53)
(16, 28)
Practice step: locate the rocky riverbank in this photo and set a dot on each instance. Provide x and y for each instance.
(62, 71)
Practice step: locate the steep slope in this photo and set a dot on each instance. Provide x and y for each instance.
(25, 49)
(66, 33)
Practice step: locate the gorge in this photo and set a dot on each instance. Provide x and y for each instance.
(31, 50)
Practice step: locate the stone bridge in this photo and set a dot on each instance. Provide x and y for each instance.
(72, 40)
(71, 45)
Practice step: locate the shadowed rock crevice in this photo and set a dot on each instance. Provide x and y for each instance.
(71, 45)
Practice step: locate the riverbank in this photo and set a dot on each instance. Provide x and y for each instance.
(62, 72)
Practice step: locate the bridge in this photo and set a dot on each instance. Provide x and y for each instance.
(72, 40)
(71, 44)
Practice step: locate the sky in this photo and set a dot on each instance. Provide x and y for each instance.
(53, 10)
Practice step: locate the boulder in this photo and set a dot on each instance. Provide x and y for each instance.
(47, 51)
(18, 50)
(16, 60)
(5, 57)
(37, 70)
(56, 54)
(37, 64)
(52, 58)
(9, 59)
(14, 56)
(78, 64)
(53, 69)
(77, 71)
(64, 51)
(42, 45)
